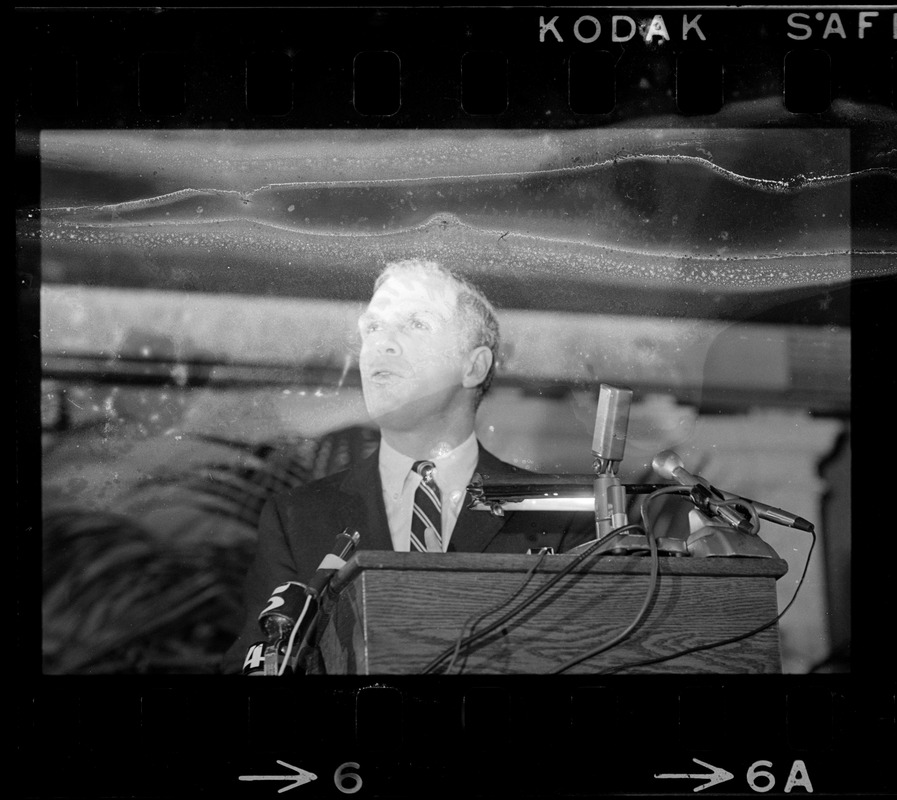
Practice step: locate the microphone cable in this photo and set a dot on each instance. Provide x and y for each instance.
(475, 637)
(649, 595)
(731, 640)
(477, 618)
(296, 627)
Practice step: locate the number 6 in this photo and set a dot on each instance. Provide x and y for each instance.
(767, 777)
(341, 774)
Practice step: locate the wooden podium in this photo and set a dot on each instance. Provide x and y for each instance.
(395, 612)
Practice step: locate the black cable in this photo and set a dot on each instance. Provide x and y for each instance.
(649, 595)
(478, 618)
(591, 550)
(730, 640)
(652, 584)
(455, 649)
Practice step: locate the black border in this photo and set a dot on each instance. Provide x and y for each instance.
(173, 737)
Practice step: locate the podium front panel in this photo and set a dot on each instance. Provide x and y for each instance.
(397, 611)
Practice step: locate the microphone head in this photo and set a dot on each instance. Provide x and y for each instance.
(611, 422)
(665, 464)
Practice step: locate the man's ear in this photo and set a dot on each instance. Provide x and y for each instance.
(479, 362)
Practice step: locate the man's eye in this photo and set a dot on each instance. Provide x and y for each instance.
(371, 327)
(419, 324)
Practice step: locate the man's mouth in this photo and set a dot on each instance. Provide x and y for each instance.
(383, 375)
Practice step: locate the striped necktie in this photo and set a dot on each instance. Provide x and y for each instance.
(426, 519)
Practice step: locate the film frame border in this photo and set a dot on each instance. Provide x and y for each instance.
(804, 704)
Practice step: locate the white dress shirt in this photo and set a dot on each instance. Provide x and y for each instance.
(452, 474)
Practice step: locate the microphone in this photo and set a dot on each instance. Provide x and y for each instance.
(293, 606)
(342, 549)
(288, 603)
(611, 423)
(771, 513)
(608, 446)
(776, 515)
(668, 464)
(283, 609)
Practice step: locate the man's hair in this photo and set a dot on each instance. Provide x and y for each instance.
(473, 309)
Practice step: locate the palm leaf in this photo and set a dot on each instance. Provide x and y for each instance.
(158, 588)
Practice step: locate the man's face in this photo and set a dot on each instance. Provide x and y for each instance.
(412, 351)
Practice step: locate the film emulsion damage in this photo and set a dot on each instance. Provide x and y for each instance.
(684, 219)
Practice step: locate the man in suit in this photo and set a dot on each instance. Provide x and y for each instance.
(429, 340)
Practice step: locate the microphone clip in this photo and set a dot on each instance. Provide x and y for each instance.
(709, 501)
(719, 531)
(701, 496)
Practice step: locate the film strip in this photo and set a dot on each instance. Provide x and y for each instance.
(188, 181)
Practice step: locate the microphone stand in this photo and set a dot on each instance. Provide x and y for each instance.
(610, 514)
(610, 497)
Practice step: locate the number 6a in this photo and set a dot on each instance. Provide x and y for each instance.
(762, 780)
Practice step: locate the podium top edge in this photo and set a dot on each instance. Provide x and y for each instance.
(606, 564)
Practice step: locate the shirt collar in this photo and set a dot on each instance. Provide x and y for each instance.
(453, 470)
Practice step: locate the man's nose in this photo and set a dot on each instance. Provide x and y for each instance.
(385, 342)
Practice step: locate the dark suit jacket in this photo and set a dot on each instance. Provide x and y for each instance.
(298, 528)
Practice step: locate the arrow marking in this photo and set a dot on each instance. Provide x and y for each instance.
(715, 776)
(298, 779)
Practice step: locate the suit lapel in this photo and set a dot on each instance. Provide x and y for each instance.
(364, 510)
(474, 530)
